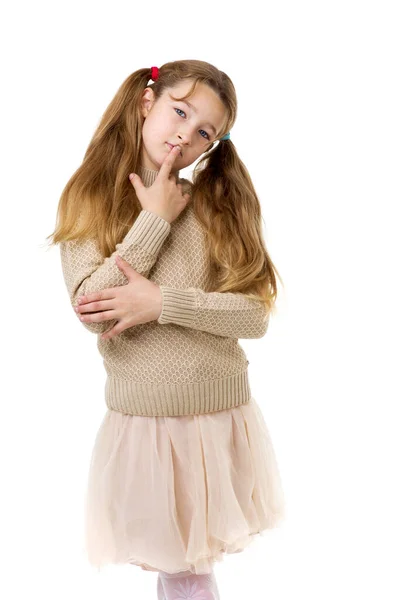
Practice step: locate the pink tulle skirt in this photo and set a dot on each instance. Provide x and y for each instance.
(174, 493)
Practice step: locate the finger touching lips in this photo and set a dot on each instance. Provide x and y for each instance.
(172, 147)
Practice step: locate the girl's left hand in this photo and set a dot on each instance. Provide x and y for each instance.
(139, 301)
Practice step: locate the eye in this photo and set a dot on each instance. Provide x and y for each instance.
(208, 137)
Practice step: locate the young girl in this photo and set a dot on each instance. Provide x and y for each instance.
(170, 274)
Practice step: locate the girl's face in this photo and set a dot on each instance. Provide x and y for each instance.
(169, 121)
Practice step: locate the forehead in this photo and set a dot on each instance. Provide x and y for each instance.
(204, 102)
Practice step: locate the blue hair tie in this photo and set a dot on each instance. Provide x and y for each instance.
(226, 137)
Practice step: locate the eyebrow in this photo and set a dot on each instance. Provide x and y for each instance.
(195, 110)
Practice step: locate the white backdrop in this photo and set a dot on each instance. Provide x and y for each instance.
(318, 129)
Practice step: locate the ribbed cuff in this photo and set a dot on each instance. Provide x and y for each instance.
(149, 231)
(178, 306)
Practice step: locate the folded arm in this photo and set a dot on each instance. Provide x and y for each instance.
(222, 313)
(85, 270)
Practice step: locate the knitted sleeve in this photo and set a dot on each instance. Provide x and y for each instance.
(85, 270)
(221, 313)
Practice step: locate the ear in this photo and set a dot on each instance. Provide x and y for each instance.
(147, 101)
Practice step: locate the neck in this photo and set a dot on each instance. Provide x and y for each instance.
(148, 176)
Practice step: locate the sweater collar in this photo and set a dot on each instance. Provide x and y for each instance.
(148, 176)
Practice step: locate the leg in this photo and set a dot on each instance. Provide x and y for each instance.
(187, 585)
(160, 589)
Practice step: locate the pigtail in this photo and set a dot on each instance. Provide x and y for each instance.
(226, 204)
(99, 201)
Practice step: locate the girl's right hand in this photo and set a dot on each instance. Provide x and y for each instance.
(164, 197)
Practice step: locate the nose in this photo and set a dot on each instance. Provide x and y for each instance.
(184, 138)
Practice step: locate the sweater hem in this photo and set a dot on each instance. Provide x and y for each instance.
(154, 400)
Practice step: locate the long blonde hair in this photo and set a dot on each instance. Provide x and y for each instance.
(99, 201)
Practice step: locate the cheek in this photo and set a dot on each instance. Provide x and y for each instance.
(154, 129)
(149, 132)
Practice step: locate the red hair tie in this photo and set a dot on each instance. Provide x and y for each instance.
(154, 73)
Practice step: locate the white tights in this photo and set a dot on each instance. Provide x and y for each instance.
(177, 586)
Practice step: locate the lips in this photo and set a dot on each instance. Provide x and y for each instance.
(172, 146)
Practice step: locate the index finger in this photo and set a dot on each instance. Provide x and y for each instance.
(166, 166)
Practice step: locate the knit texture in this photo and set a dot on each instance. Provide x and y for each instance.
(189, 360)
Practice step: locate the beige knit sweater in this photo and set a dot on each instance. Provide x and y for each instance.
(188, 361)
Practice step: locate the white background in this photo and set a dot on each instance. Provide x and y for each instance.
(318, 129)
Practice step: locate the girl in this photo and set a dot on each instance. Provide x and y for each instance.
(170, 274)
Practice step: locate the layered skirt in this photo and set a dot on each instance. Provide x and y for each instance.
(175, 493)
